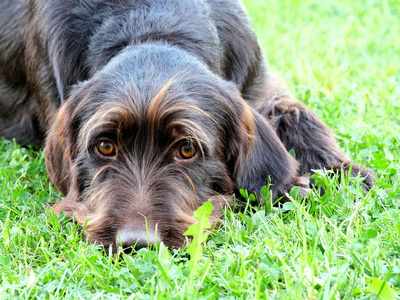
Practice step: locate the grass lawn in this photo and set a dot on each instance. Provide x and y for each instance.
(342, 58)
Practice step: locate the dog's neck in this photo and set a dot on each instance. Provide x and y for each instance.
(158, 24)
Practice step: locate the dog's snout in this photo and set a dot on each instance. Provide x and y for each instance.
(137, 238)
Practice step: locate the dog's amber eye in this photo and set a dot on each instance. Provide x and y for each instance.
(187, 151)
(106, 148)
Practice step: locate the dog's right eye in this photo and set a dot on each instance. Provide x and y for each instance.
(106, 148)
(187, 151)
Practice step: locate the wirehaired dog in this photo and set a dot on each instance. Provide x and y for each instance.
(148, 108)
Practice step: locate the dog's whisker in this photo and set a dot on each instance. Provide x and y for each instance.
(191, 185)
(98, 174)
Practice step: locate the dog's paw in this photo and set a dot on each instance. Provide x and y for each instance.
(304, 189)
(304, 183)
(367, 176)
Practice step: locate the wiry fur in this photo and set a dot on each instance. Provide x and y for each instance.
(149, 76)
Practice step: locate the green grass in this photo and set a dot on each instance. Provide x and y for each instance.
(340, 57)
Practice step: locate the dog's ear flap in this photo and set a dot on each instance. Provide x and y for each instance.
(257, 157)
(60, 147)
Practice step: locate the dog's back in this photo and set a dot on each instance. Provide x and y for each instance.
(18, 114)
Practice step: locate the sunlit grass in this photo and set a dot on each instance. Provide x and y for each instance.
(342, 58)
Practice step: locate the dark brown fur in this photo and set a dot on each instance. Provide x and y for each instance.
(150, 76)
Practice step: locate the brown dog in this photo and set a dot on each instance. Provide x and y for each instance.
(148, 108)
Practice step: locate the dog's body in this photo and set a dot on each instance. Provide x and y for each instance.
(149, 108)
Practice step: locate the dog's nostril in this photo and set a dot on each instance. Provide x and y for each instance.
(137, 238)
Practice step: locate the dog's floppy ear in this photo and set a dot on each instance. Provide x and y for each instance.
(60, 151)
(256, 156)
(60, 147)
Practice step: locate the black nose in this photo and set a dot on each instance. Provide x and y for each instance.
(137, 238)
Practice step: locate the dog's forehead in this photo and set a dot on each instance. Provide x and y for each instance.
(152, 91)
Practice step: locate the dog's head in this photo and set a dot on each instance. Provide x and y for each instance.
(151, 137)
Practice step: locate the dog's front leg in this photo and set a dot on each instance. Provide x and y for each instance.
(303, 133)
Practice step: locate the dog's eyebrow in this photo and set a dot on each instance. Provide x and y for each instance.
(106, 134)
(157, 109)
(155, 104)
(191, 130)
(107, 120)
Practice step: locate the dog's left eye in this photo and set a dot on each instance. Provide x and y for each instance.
(187, 151)
(106, 148)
